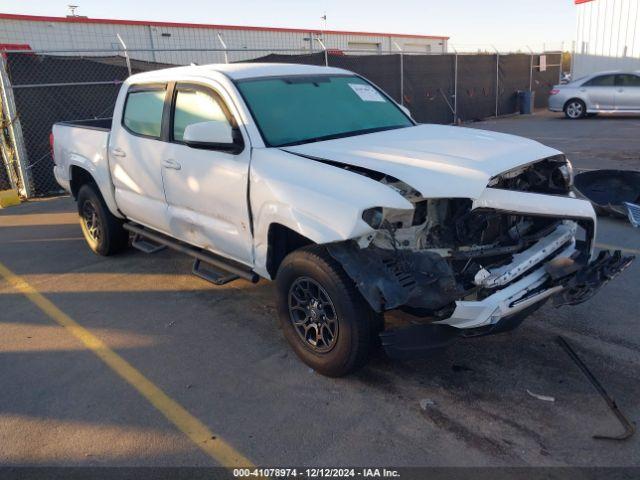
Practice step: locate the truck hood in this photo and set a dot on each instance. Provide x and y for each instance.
(438, 161)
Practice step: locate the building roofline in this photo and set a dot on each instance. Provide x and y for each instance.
(39, 18)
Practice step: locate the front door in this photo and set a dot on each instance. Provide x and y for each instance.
(135, 153)
(206, 189)
(627, 92)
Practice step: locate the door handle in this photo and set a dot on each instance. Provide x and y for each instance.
(118, 152)
(170, 163)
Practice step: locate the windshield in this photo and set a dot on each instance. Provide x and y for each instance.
(302, 109)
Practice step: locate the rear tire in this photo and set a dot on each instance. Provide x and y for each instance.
(102, 231)
(575, 109)
(324, 318)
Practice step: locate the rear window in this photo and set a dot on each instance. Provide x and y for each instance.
(601, 81)
(143, 112)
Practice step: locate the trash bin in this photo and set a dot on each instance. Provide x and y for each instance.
(525, 101)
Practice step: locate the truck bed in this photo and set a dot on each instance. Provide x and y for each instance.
(82, 143)
(92, 123)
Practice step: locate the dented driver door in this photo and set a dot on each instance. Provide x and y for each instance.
(206, 188)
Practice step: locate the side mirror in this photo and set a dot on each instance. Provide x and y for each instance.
(405, 110)
(213, 134)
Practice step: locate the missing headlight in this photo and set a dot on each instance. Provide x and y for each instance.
(553, 175)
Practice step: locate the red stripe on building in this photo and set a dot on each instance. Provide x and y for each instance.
(578, 2)
(15, 46)
(39, 18)
(12, 46)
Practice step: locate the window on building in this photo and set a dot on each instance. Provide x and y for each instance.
(369, 46)
(143, 111)
(416, 48)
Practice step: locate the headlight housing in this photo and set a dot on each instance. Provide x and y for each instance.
(553, 175)
(373, 217)
(566, 171)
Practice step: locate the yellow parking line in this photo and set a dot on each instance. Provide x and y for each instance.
(216, 448)
(616, 247)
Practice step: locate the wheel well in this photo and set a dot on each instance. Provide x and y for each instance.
(79, 177)
(281, 242)
(571, 100)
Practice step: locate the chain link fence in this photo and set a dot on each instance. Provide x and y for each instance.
(41, 88)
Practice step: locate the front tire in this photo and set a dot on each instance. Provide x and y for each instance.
(102, 231)
(575, 109)
(324, 318)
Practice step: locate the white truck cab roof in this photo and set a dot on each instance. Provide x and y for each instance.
(238, 71)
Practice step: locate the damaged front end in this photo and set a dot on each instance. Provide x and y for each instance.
(467, 269)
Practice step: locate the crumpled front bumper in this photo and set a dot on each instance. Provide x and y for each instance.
(581, 285)
(563, 277)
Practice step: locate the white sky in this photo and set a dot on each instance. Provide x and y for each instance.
(471, 24)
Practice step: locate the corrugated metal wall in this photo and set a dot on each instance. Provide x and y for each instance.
(608, 36)
(56, 35)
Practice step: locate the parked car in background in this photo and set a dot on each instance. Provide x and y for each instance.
(315, 178)
(605, 92)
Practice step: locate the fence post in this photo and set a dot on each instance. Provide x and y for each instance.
(401, 71)
(224, 45)
(560, 68)
(15, 131)
(497, 78)
(455, 88)
(326, 55)
(126, 54)
(530, 67)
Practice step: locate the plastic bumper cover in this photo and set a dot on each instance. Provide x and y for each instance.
(505, 309)
(58, 173)
(556, 103)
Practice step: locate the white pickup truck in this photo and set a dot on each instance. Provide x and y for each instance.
(315, 178)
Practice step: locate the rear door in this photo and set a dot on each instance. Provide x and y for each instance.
(206, 189)
(135, 155)
(600, 92)
(627, 92)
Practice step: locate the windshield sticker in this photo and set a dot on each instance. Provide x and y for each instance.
(366, 92)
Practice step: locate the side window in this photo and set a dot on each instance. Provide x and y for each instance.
(601, 81)
(628, 81)
(195, 105)
(143, 111)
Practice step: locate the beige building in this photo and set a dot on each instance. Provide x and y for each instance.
(73, 33)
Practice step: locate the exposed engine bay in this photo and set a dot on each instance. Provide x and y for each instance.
(425, 260)
(442, 253)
